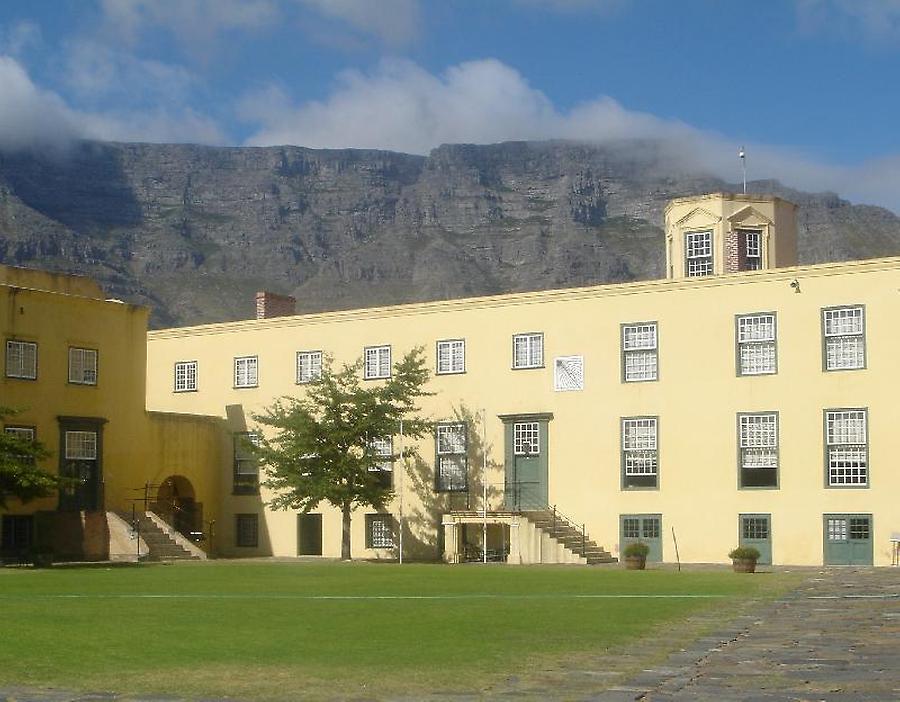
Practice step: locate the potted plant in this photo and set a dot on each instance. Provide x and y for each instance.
(636, 555)
(744, 558)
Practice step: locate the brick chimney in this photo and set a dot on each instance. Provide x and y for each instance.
(269, 304)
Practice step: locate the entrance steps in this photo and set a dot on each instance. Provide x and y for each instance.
(572, 539)
(163, 542)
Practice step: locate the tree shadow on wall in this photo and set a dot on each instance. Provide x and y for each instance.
(423, 535)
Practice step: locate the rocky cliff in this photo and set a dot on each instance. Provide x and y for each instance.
(194, 231)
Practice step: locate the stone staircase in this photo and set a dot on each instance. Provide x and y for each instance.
(569, 535)
(161, 544)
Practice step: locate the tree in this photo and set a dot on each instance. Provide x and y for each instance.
(321, 445)
(20, 476)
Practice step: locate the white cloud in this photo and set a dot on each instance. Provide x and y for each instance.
(400, 106)
(395, 22)
(33, 118)
(93, 71)
(197, 24)
(871, 20)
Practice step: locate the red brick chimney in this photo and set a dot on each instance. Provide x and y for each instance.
(269, 304)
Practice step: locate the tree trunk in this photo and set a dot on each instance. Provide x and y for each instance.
(345, 533)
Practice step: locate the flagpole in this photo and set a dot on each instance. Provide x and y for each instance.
(400, 489)
(484, 484)
(743, 156)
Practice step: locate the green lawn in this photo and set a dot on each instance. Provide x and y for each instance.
(289, 630)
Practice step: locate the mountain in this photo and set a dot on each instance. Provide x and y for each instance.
(194, 231)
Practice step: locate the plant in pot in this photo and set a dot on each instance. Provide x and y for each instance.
(743, 559)
(636, 555)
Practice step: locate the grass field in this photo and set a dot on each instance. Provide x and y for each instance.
(275, 630)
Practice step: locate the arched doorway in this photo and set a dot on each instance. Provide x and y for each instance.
(177, 504)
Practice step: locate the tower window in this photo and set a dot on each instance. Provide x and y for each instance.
(698, 254)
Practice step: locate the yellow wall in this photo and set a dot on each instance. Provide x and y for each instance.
(696, 399)
(136, 448)
(724, 212)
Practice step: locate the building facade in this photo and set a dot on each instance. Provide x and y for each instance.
(744, 400)
(74, 370)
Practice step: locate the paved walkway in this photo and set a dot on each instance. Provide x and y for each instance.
(834, 639)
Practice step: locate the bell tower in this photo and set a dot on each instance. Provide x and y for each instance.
(728, 233)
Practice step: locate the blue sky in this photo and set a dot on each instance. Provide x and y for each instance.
(812, 87)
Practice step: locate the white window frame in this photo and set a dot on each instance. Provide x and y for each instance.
(531, 345)
(758, 448)
(82, 366)
(451, 443)
(640, 352)
(698, 260)
(756, 337)
(382, 535)
(81, 445)
(246, 371)
(383, 448)
(185, 376)
(640, 451)
(753, 241)
(847, 447)
(21, 433)
(451, 356)
(844, 338)
(529, 432)
(21, 359)
(377, 362)
(309, 366)
(246, 463)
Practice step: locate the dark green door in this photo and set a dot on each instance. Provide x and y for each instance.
(642, 527)
(756, 531)
(80, 463)
(309, 534)
(526, 464)
(848, 539)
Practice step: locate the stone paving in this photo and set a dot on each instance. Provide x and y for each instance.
(836, 638)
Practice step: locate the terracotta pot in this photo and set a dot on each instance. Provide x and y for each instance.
(744, 565)
(635, 562)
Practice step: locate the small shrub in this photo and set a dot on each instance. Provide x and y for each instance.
(747, 553)
(637, 548)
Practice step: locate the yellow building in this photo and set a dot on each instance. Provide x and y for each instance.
(742, 400)
(75, 370)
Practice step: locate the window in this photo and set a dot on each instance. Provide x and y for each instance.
(185, 376)
(639, 452)
(383, 448)
(846, 447)
(758, 448)
(17, 534)
(845, 338)
(526, 439)
(246, 530)
(451, 356)
(21, 359)
(83, 366)
(698, 254)
(639, 352)
(452, 466)
(528, 350)
(81, 445)
(246, 464)
(246, 373)
(568, 373)
(755, 528)
(21, 433)
(756, 350)
(378, 362)
(379, 531)
(309, 366)
(749, 249)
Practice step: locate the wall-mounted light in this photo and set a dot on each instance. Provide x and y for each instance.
(795, 284)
